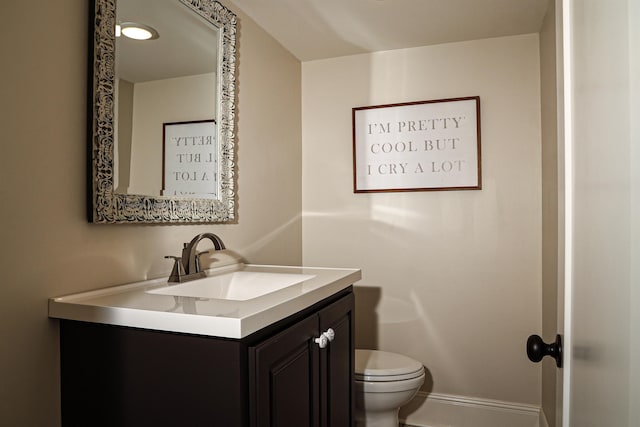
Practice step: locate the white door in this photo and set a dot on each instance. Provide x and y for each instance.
(602, 217)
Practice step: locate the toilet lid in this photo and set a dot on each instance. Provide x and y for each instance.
(375, 365)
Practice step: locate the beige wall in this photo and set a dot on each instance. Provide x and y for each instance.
(452, 279)
(548, 99)
(49, 249)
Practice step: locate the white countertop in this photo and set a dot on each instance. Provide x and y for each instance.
(131, 305)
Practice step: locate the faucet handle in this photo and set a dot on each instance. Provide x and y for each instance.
(198, 260)
(178, 269)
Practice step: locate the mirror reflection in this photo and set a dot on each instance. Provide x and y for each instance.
(165, 133)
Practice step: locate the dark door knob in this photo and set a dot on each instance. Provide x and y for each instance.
(537, 349)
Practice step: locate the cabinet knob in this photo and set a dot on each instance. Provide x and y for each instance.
(330, 334)
(322, 341)
(325, 338)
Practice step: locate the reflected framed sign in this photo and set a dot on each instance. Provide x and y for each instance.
(190, 159)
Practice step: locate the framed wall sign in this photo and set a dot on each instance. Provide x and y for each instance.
(417, 146)
(190, 159)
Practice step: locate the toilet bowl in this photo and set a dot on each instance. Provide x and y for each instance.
(384, 382)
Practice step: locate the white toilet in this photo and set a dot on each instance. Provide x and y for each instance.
(384, 382)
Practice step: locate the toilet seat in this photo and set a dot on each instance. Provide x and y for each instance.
(383, 366)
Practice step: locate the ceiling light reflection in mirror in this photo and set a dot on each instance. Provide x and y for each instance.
(170, 77)
(136, 31)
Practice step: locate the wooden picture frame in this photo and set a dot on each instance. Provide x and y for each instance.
(417, 146)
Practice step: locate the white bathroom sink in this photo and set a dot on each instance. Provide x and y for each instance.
(233, 301)
(237, 285)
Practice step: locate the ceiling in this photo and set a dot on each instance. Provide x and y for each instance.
(315, 29)
(175, 53)
(318, 29)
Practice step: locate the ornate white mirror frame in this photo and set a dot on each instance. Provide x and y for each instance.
(106, 206)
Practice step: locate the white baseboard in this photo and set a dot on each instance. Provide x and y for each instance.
(445, 410)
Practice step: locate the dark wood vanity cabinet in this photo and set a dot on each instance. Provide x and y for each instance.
(295, 382)
(277, 377)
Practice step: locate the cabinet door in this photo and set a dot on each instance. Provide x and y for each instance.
(337, 364)
(284, 382)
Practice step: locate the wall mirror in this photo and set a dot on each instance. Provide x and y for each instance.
(162, 112)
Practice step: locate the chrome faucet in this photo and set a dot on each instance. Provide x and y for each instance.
(187, 267)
